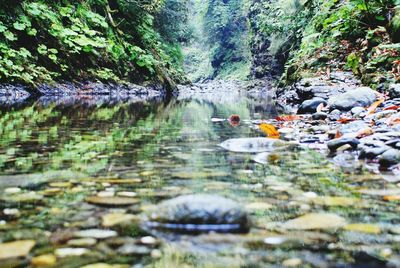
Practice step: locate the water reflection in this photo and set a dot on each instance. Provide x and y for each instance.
(60, 152)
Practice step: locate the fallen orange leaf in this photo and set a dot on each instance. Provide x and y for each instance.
(392, 107)
(269, 130)
(338, 134)
(392, 198)
(375, 105)
(345, 120)
(393, 120)
(364, 132)
(288, 118)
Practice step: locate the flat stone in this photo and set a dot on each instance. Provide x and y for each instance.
(67, 252)
(123, 181)
(315, 221)
(61, 184)
(253, 145)
(353, 127)
(113, 219)
(112, 201)
(47, 260)
(258, 206)
(96, 233)
(336, 201)
(133, 249)
(335, 144)
(127, 194)
(29, 197)
(363, 228)
(294, 262)
(83, 242)
(16, 249)
(193, 175)
(12, 190)
(148, 240)
(362, 96)
(105, 194)
(380, 192)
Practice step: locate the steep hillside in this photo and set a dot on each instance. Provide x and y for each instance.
(320, 36)
(110, 40)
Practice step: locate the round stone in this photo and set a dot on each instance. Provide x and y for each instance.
(199, 213)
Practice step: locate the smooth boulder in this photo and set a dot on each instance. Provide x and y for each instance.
(362, 96)
(253, 145)
(310, 106)
(394, 91)
(335, 144)
(198, 213)
(389, 158)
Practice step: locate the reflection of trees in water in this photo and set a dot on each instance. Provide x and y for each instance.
(77, 136)
(91, 138)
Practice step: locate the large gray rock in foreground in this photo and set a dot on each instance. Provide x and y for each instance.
(362, 96)
(199, 213)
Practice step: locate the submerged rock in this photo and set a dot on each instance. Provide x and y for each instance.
(253, 145)
(362, 96)
(112, 201)
(16, 249)
(199, 213)
(315, 221)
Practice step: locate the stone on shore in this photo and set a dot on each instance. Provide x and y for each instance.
(310, 106)
(362, 96)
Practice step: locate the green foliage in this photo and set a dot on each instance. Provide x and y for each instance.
(46, 40)
(339, 34)
(218, 47)
(353, 62)
(285, 20)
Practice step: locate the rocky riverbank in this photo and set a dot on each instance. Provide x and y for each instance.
(88, 88)
(336, 113)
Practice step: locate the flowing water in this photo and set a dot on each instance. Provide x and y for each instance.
(55, 154)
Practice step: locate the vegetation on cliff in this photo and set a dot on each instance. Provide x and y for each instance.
(218, 44)
(110, 40)
(323, 35)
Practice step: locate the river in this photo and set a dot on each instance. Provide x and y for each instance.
(54, 154)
